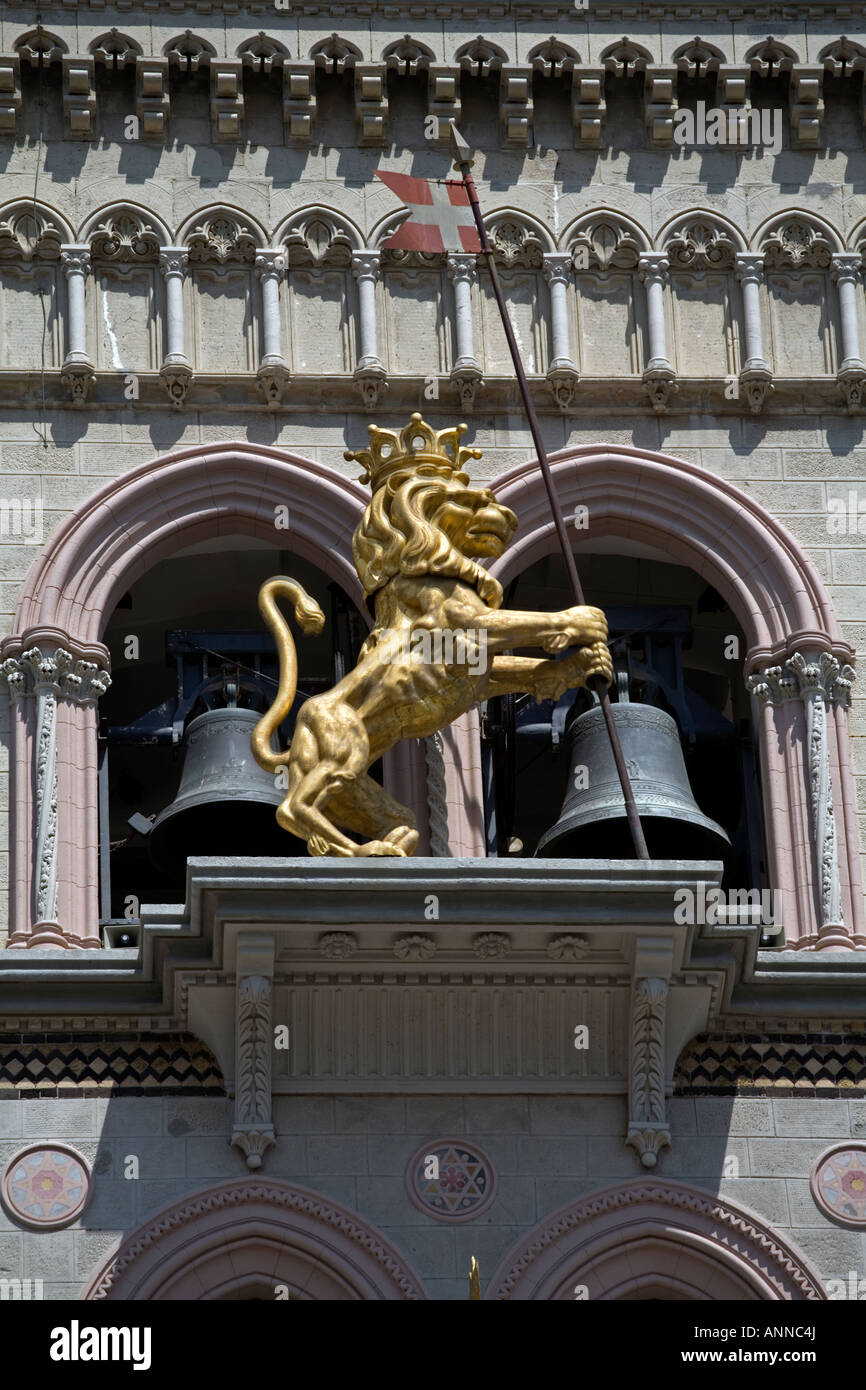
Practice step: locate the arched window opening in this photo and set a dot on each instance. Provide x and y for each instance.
(187, 640)
(678, 649)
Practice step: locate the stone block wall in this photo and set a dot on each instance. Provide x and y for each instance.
(547, 1151)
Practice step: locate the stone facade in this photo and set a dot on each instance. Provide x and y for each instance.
(198, 317)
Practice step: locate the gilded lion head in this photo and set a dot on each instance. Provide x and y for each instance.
(417, 524)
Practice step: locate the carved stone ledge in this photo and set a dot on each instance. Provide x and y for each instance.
(372, 382)
(851, 382)
(177, 379)
(757, 384)
(563, 383)
(467, 380)
(273, 380)
(78, 378)
(660, 384)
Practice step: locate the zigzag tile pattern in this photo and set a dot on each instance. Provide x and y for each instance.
(772, 1063)
(105, 1065)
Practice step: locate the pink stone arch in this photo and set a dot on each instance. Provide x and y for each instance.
(242, 1238)
(777, 595)
(72, 588)
(653, 1240)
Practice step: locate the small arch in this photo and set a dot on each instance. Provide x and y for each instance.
(189, 51)
(222, 233)
(611, 238)
(387, 226)
(243, 1238)
(115, 50)
(843, 57)
(798, 238)
(701, 240)
(480, 57)
(29, 229)
(517, 236)
(771, 57)
(553, 57)
(857, 237)
(319, 233)
(761, 571)
(152, 226)
(172, 501)
(625, 57)
(408, 56)
(261, 53)
(335, 55)
(640, 1239)
(698, 57)
(40, 45)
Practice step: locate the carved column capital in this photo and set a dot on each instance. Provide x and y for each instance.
(75, 259)
(270, 264)
(800, 677)
(653, 267)
(462, 266)
(557, 267)
(57, 670)
(173, 261)
(749, 266)
(366, 265)
(846, 265)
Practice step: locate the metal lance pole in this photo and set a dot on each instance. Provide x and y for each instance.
(463, 161)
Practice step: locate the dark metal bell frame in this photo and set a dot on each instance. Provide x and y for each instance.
(592, 823)
(225, 803)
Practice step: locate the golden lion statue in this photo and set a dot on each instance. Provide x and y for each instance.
(435, 650)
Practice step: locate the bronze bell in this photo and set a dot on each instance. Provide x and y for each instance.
(592, 822)
(225, 803)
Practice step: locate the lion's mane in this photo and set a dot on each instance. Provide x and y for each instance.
(395, 537)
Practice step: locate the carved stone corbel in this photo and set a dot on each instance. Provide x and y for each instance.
(648, 1128)
(253, 1130)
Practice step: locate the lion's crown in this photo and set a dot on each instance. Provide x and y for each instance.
(416, 449)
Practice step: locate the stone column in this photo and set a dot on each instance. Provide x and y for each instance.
(77, 369)
(176, 372)
(370, 373)
(816, 683)
(852, 371)
(659, 376)
(562, 373)
(273, 374)
(54, 696)
(465, 373)
(755, 377)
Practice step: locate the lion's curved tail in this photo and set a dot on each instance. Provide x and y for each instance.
(310, 619)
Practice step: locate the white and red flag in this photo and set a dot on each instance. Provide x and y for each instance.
(441, 215)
